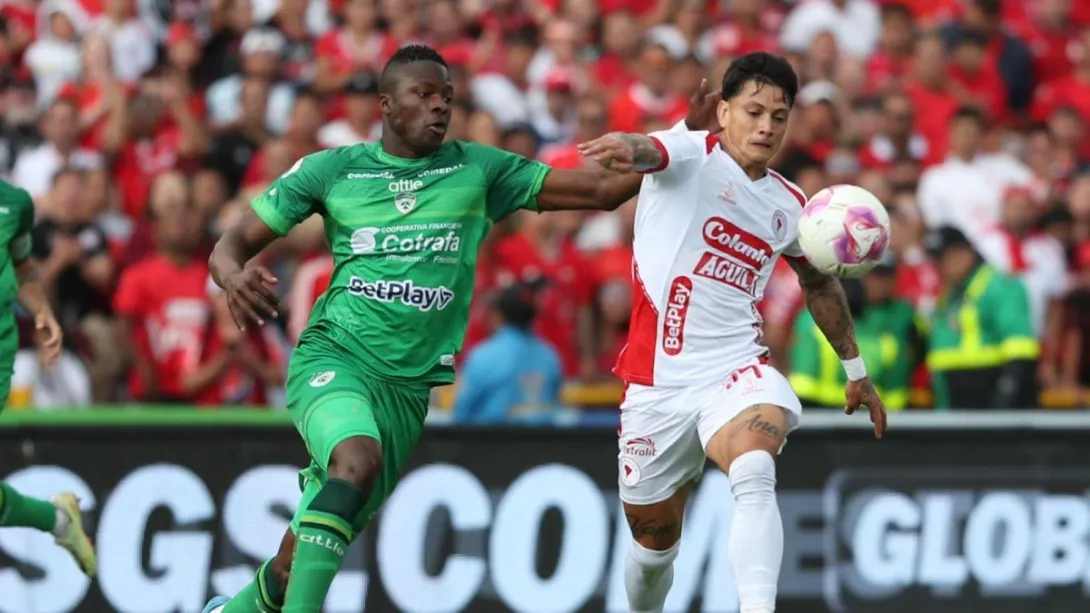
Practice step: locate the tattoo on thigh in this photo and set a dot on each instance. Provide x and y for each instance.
(651, 527)
(760, 425)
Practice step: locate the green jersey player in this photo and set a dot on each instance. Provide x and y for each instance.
(404, 218)
(19, 281)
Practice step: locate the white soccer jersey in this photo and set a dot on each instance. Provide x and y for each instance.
(706, 241)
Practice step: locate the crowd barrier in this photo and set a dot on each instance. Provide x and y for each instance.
(966, 513)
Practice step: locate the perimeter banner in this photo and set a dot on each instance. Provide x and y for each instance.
(526, 520)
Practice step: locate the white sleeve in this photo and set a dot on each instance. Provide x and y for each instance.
(683, 152)
(929, 200)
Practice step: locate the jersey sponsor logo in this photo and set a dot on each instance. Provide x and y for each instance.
(727, 238)
(673, 320)
(367, 240)
(321, 379)
(434, 172)
(641, 447)
(371, 175)
(728, 272)
(405, 292)
(405, 185)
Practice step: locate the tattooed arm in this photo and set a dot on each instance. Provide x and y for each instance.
(829, 306)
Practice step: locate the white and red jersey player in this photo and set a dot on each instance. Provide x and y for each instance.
(707, 238)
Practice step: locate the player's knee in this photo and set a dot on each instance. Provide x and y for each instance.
(357, 460)
(753, 478)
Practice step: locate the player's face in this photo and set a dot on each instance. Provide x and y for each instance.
(755, 122)
(418, 111)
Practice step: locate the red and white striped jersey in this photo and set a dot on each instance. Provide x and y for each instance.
(707, 238)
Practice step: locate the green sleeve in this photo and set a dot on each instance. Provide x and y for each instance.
(513, 181)
(20, 244)
(1007, 305)
(298, 193)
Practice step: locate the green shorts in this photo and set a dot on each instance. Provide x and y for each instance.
(330, 400)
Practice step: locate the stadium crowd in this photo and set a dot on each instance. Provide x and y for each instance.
(142, 127)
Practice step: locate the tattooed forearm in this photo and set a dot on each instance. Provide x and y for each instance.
(829, 306)
(645, 155)
(652, 528)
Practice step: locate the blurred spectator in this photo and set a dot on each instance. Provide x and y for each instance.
(356, 46)
(897, 138)
(748, 26)
(291, 20)
(18, 119)
(1008, 55)
(1071, 91)
(966, 190)
(236, 367)
(888, 341)
(64, 386)
(855, 24)
(888, 66)
(503, 94)
(982, 351)
(513, 375)
(54, 57)
(927, 88)
(132, 42)
(542, 251)
(163, 310)
(260, 49)
(232, 150)
(651, 97)
(1015, 248)
(75, 261)
(361, 122)
(35, 168)
(154, 132)
(974, 79)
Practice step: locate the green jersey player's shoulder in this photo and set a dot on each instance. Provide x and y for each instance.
(15, 201)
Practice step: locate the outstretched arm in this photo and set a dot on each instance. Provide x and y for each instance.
(829, 307)
(566, 190)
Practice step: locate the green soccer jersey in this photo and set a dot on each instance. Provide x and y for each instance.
(16, 221)
(404, 234)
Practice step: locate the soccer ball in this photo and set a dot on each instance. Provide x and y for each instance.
(844, 231)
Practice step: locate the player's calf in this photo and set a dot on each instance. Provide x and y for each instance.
(656, 539)
(745, 449)
(326, 527)
(265, 594)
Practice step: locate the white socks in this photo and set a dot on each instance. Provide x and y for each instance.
(756, 532)
(648, 575)
(61, 527)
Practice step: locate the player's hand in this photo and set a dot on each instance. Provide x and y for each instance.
(250, 296)
(702, 109)
(48, 336)
(862, 393)
(609, 151)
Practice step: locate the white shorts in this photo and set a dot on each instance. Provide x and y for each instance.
(664, 430)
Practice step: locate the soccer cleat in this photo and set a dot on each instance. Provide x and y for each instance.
(72, 538)
(216, 604)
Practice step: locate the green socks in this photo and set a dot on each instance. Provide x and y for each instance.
(325, 531)
(263, 595)
(18, 510)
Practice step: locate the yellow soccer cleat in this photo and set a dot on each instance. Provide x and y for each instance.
(72, 537)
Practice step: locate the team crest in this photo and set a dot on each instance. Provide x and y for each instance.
(322, 378)
(405, 202)
(727, 195)
(779, 225)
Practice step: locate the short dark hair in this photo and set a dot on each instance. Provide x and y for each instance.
(762, 68)
(409, 54)
(970, 113)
